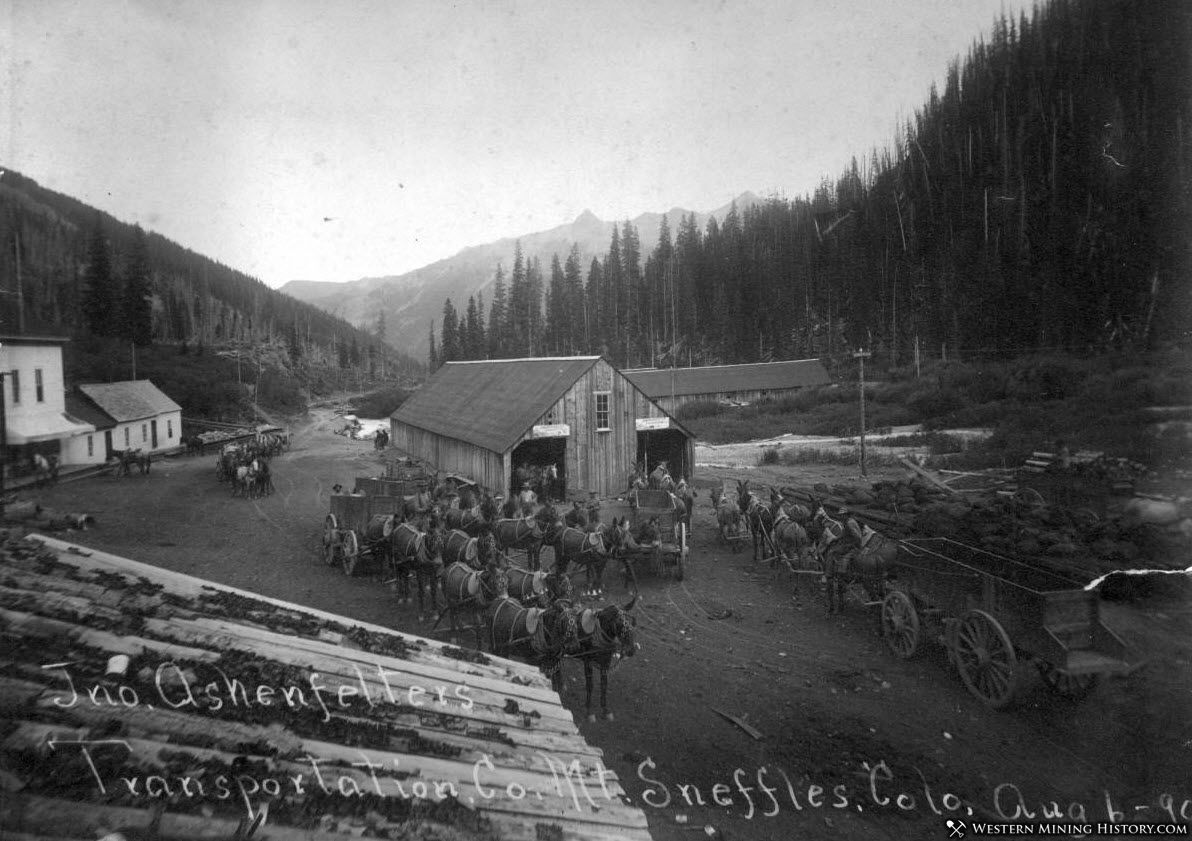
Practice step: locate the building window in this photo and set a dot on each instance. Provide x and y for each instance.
(38, 386)
(16, 386)
(169, 428)
(90, 446)
(550, 418)
(602, 411)
(126, 441)
(144, 432)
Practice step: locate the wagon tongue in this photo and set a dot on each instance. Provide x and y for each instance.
(632, 602)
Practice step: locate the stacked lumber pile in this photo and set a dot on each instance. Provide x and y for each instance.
(33, 515)
(336, 728)
(1147, 534)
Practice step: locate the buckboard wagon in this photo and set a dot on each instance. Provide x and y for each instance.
(670, 552)
(993, 612)
(357, 530)
(383, 486)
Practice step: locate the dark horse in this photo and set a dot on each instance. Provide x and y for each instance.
(416, 555)
(590, 549)
(541, 636)
(861, 555)
(605, 637)
(788, 533)
(757, 516)
(538, 588)
(528, 533)
(470, 591)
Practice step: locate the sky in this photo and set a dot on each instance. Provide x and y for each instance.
(333, 140)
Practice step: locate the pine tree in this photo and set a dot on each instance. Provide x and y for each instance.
(498, 318)
(135, 317)
(573, 304)
(557, 316)
(98, 292)
(472, 340)
(294, 343)
(518, 325)
(481, 332)
(432, 355)
(449, 347)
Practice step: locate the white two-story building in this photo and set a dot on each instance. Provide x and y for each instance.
(33, 410)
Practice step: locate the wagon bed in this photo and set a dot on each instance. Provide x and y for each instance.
(671, 552)
(355, 529)
(992, 611)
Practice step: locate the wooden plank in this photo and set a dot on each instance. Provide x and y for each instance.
(740, 722)
(921, 472)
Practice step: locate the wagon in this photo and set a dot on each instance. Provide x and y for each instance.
(413, 473)
(639, 506)
(993, 613)
(384, 486)
(356, 531)
(1086, 487)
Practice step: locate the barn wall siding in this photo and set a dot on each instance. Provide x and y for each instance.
(450, 455)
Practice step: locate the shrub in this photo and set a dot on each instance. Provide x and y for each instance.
(770, 455)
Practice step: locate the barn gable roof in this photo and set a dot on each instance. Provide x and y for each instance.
(130, 400)
(712, 379)
(84, 410)
(491, 403)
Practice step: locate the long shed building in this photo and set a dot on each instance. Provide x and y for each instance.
(485, 419)
(747, 383)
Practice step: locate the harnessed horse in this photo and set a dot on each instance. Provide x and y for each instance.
(788, 535)
(526, 533)
(605, 637)
(46, 467)
(538, 588)
(590, 549)
(469, 520)
(757, 516)
(472, 590)
(416, 554)
(541, 636)
(853, 553)
(728, 519)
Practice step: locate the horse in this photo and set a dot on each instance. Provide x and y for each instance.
(465, 519)
(459, 547)
(684, 493)
(527, 533)
(542, 636)
(590, 549)
(415, 553)
(539, 588)
(550, 483)
(849, 552)
(46, 468)
(605, 636)
(728, 519)
(472, 590)
(757, 516)
(637, 479)
(660, 479)
(264, 478)
(244, 481)
(789, 537)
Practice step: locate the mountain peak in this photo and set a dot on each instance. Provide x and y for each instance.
(587, 218)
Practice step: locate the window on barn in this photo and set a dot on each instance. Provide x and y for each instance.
(550, 417)
(602, 398)
(144, 432)
(38, 386)
(90, 446)
(16, 386)
(169, 428)
(126, 441)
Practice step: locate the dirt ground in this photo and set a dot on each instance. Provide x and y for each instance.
(854, 743)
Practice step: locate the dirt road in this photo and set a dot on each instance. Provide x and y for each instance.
(854, 743)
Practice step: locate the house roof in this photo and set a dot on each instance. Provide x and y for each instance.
(80, 408)
(130, 400)
(492, 403)
(496, 724)
(713, 379)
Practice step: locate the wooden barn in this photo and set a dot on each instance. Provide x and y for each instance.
(747, 383)
(141, 703)
(579, 413)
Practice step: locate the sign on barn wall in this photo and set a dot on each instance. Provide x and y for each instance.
(647, 424)
(550, 430)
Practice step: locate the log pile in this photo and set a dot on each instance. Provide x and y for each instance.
(33, 515)
(1143, 535)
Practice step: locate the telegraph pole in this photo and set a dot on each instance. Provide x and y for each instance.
(861, 356)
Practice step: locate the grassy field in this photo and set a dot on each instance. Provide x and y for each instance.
(1030, 403)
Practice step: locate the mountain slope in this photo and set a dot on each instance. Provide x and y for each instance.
(412, 300)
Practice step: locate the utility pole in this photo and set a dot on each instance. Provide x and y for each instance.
(861, 356)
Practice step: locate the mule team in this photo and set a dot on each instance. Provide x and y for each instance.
(847, 552)
(451, 547)
(246, 465)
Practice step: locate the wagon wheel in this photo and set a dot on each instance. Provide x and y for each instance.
(1029, 496)
(900, 625)
(330, 543)
(349, 552)
(1072, 687)
(986, 659)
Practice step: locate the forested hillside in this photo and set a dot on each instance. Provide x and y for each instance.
(80, 271)
(1040, 201)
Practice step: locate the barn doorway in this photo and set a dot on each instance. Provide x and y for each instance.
(669, 445)
(530, 462)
